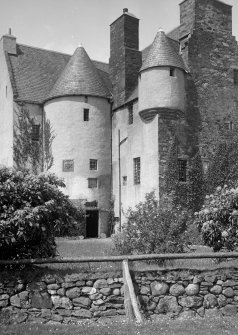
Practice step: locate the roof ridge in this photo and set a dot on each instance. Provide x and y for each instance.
(30, 46)
(59, 52)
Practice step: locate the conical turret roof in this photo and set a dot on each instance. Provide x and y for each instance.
(79, 77)
(162, 53)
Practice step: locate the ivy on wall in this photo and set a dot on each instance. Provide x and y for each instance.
(34, 155)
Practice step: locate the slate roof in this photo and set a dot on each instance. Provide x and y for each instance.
(34, 71)
(80, 76)
(162, 53)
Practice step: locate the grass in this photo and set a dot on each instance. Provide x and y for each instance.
(102, 247)
(217, 326)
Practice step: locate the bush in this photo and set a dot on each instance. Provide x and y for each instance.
(218, 219)
(150, 229)
(33, 210)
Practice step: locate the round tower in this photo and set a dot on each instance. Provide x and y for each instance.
(162, 77)
(78, 108)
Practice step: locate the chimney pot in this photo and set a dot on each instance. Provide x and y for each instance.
(125, 10)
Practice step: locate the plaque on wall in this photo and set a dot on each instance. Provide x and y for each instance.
(68, 165)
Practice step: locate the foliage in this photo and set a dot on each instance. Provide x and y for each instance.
(218, 219)
(150, 229)
(189, 194)
(28, 153)
(33, 210)
(224, 165)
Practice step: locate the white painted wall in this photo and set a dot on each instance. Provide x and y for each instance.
(81, 141)
(6, 114)
(158, 89)
(142, 142)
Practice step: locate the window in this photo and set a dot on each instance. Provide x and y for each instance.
(172, 72)
(86, 114)
(136, 170)
(124, 180)
(93, 164)
(35, 132)
(6, 91)
(86, 98)
(92, 183)
(68, 165)
(229, 125)
(205, 164)
(235, 76)
(182, 169)
(130, 114)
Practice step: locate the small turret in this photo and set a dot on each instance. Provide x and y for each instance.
(162, 77)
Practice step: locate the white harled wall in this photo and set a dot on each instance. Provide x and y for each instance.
(79, 140)
(158, 89)
(142, 141)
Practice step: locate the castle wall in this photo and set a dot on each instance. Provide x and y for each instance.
(6, 114)
(212, 57)
(158, 89)
(141, 142)
(80, 141)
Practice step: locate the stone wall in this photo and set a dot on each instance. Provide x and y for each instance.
(62, 299)
(70, 298)
(188, 293)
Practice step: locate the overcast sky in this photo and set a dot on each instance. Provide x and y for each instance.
(63, 24)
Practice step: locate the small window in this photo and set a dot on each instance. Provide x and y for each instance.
(172, 72)
(68, 165)
(92, 183)
(182, 170)
(93, 164)
(124, 180)
(86, 98)
(229, 125)
(136, 170)
(130, 114)
(205, 164)
(86, 114)
(35, 132)
(235, 76)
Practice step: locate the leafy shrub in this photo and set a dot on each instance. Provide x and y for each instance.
(150, 229)
(33, 210)
(218, 219)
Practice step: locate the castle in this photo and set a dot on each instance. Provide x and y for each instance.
(113, 124)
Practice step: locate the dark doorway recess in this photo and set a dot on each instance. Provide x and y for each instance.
(91, 223)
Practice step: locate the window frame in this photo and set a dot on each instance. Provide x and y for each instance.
(63, 165)
(86, 114)
(182, 170)
(90, 183)
(172, 71)
(93, 164)
(35, 132)
(137, 170)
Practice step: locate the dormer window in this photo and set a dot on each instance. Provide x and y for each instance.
(172, 72)
(130, 114)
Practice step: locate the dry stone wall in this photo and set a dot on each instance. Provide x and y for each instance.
(188, 293)
(72, 298)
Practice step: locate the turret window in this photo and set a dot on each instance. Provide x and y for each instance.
(86, 114)
(172, 72)
(93, 164)
(92, 183)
